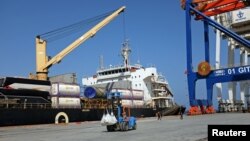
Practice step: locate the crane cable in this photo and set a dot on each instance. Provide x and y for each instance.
(71, 29)
(124, 27)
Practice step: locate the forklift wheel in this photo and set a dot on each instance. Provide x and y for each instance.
(125, 126)
(110, 128)
(121, 126)
(134, 127)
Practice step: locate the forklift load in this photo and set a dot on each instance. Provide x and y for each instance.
(119, 118)
(108, 119)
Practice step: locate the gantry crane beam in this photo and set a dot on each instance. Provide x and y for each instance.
(215, 7)
(222, 6)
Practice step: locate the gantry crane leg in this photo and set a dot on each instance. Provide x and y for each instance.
(200, 106)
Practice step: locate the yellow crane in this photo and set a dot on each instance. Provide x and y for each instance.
(43, 63)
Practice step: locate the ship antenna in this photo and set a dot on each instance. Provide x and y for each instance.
(125, 53)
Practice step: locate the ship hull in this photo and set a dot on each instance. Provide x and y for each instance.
(9, 117)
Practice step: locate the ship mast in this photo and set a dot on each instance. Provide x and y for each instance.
(101, 63)
(125, 53)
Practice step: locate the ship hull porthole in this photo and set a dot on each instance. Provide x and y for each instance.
(61, 117)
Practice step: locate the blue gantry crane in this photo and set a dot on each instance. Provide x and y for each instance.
(201, 10)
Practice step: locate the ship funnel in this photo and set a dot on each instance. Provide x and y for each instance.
(94, 92)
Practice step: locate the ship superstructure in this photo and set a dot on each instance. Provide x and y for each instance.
(144, 86)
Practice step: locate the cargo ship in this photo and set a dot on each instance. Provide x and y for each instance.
(37, 99)
(41, 99)
(142, 88)
(25, 101)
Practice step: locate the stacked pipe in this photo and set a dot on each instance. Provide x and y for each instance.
(65, 95)
(129, 98)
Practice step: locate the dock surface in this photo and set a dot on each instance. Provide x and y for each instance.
(169, 128)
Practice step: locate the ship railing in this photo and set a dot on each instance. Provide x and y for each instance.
(161, 77)
(94, 103)
(14, 105)
(67, 107)
(20, 102)
(36, 105)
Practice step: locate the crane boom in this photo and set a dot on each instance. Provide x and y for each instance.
(42, 61)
